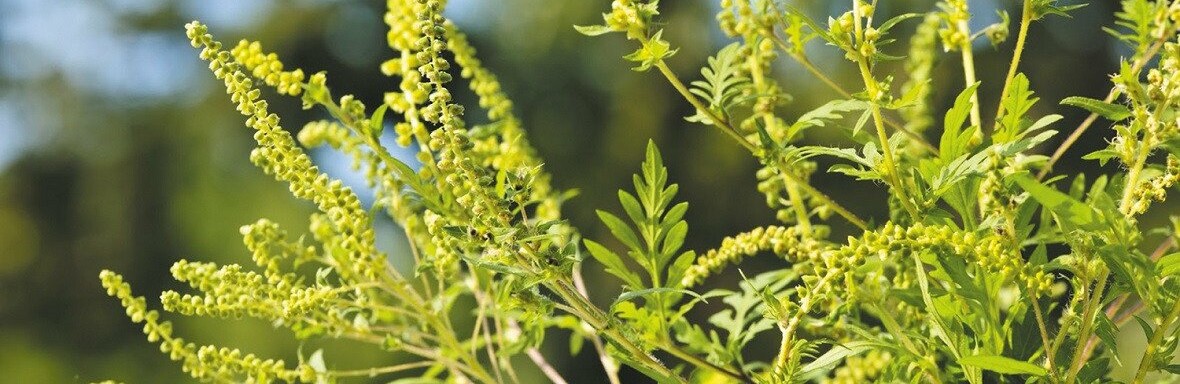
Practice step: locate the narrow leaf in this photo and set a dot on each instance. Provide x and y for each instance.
(593, 30)
(1112, 112)
(627, 296)
(613, 263)
(1004, 365)
(833, 356)
(1070, 212)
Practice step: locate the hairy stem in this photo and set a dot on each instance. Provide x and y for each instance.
(810, 67)
(793, 195)
(968, 57)
(1025, 20)
(1149, 352)
(791, 325)
(874, 91)
(893, 176)
(1092, 304)
(717, 120)
(1115, 310)
(1050, 355)
(894, 328)
(608, 363)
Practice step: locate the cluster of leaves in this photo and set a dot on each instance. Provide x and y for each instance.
(983, 271)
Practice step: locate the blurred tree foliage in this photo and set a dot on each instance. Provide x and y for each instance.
(117, 151)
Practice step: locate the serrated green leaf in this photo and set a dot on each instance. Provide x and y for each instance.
(1102, 155)
(830, 111)
(1112, 112)
(955, 141)
(1168, 265)
(1039, 256)
(680, 265)
(1004, 365)
(910, 97)
(1017, 103)
(1043, 122)
(674, 215)
(723, 82)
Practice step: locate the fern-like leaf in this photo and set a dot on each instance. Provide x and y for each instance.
(723, 83)
(656, 231)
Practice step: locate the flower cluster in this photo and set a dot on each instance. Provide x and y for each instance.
(268, 68)
(787, 242)
(278, 155)
(1155, 188)
(776, 188)
(919, 64)
(631, 16)
(502, 143)
(485, 232)
(954, 34)
(994, 254)
(207, 363)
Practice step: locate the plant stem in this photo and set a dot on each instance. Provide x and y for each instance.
(969, 71)
(1025, 20)
(600, 322)
(608, 363)
(370, 372)
(1132, 179)
(717, 120)
(694, 360)
(547, 369)
(894, 328)
(1092, 304)
(1153, 344)
(894, 178)
(873, 90)
(815, 193)
(793, 195)
(806, 63)
(792, 324)
(1050, 355)
(1115, 310)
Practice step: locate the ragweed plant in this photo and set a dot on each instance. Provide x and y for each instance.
(988, 268)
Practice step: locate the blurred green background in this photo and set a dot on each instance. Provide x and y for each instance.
(119, 150)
